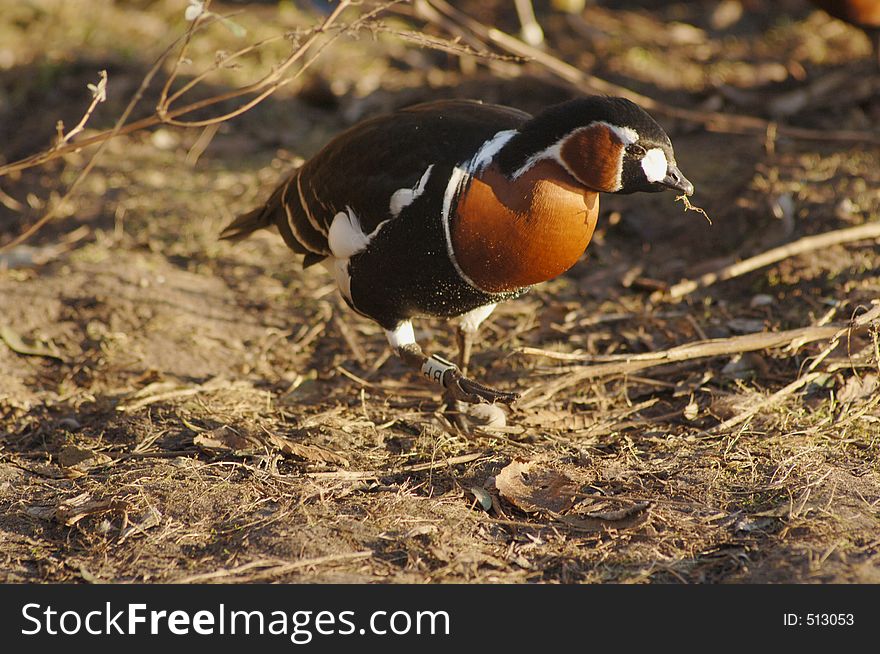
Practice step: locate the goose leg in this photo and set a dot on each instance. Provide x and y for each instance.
(458, 387)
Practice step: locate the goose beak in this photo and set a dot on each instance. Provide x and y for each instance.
(675, 180)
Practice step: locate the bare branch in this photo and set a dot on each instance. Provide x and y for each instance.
(801, 246)
(627, 364)
(165, 113)
(712, 120)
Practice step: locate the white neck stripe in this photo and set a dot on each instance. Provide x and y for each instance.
(625, 135)
(458, 180)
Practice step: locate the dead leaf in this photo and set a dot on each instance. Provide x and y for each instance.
(307, 452)
(533, 490)
(692, 410)
(857, 388)
(225, 439)
(28, 346)
(152, 519)
(779, 511)
(77, 461)
(421, 530)
(71, 511)
(483, 497)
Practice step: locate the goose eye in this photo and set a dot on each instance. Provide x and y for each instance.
(636, 150)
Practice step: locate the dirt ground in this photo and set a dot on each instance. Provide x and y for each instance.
(176, 408)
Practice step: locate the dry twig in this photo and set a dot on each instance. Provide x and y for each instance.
(165, 113)
(774, 255)
(269, 569)
(626, 364)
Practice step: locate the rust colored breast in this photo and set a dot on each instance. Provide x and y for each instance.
(594, 154)
(507, 235)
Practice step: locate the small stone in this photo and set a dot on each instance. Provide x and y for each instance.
(488, 415)
(692, 410)
(745, 325)
(761, 300)
(164, 139)
(70, 424)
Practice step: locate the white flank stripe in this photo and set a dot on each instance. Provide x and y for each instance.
(404, 197)
(339, 269)
(346, 237)
(305, 205)
(292, 223)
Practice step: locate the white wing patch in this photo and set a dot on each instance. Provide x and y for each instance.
(346, 239)
(654, 164)
(346, 236)
(402, 198)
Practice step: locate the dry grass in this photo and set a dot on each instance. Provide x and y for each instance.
(212, 414)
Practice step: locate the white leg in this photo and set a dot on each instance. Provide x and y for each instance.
(467, 328)
(470, 322)
(439, 370)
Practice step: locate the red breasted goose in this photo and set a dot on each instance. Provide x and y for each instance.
(447, 208)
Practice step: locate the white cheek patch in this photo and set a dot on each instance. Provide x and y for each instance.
(625, 135)
(655, 165)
